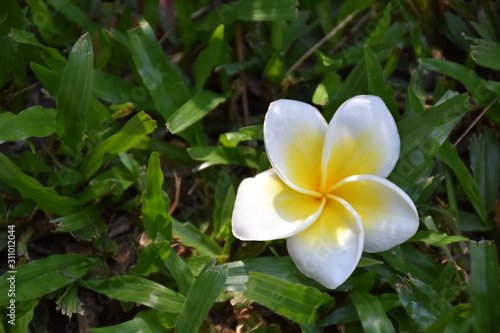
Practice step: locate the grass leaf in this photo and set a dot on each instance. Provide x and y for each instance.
(128, 288)
(294, 301)
(29, 187)
(154, 207)
(35, 121)
(46, 275)
(200, 298)
(485, 286)
(74, 94)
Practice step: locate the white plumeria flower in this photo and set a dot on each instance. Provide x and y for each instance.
(326, 192)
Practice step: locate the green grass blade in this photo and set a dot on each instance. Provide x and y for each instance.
(294, 301)
(128, 288)
(180, 271)
(421, 137)
(135, 130)
(35, 121)
(74, 14)
(279, 267)
(193, 110)
(479, 88)
(167, 88)
(422, 303)
(485, 53)
(148, 321)
(192, 236)
(485, 286)
(29, 187)
(46, 275)
(258, 10)
(202, 295)
(484, 154)
(371, 313)
(376, 82)
(74, 94)
(434, 238)
(154, 203)
(209, 58)
(449, 155)
(355, 84)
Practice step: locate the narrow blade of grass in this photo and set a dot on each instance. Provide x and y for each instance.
(74, 94)
(371, 313)
(135, 130)
(485, 286)
(46, 197)
(36, 121)
(193, 110)
(294, 301)
(128, 288)
(46, 275)
(154, 206)
(200, 298)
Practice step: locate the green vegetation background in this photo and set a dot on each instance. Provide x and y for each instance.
(126, 126)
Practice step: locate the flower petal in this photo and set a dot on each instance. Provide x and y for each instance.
(266, 209)
(388, 214)
(329, 250)
(362, 139)
(294, 133)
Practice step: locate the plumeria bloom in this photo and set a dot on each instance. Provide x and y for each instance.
(326, 191)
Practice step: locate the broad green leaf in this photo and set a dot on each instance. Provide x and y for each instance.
(294, 301)
(167, 88)
(74, 94)
(371, 313)
(480, 89)
(135, 130)
(279, 267)
(257, 10)
(485, 286)
(449, 155)
(35, 121)
(192, 236)
(148, 321)
(434, 238)
(193, 110)
(484, 154)
(128, 288)
(29, 187)
(200, 298)
(46, 275)
(154, 206)
(209, 58)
